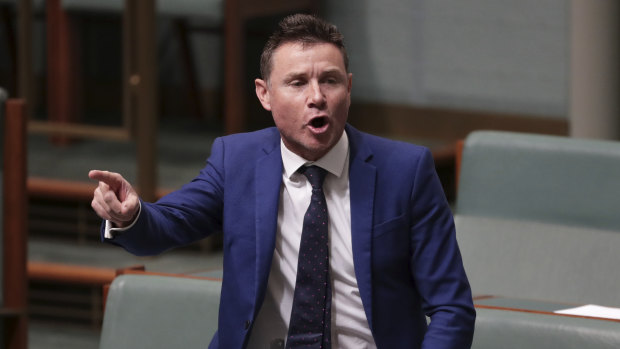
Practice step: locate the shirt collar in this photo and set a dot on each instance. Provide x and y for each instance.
(334, 161)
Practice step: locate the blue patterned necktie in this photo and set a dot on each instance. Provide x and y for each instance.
(310, 325)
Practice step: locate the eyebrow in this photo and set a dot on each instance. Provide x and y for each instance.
(334, 70)
(328, 71)
(294, 75)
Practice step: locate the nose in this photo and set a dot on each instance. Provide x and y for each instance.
(316, 98)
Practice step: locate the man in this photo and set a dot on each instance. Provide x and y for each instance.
(392, 254)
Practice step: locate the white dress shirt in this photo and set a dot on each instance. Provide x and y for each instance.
(349, 324)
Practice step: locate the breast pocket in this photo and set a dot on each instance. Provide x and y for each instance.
(391, 246)
(396, 224)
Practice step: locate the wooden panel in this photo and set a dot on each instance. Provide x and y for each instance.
(447, 124)
(234, 72)
(63, 70)
(140, 86)
(15, 291)
(69, 190)
(24, 50)
(79, 130)
(70, 273)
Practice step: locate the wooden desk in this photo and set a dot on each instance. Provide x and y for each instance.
(529, 306)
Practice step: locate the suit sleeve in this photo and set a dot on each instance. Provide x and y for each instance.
(181, 217)
(436, 264)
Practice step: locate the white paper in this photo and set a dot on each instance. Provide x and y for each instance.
(592, 310)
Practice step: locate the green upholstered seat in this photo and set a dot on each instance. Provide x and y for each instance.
(147, 311)
(518, 330)
(541, 178)
(533, 260)
(538, 217)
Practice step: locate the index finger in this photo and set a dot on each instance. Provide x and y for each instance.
(110, 178)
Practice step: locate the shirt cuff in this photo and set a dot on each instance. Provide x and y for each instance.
(111, 231)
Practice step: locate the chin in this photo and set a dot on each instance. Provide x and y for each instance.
(317, 151)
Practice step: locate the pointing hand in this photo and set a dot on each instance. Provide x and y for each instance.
(114, 199)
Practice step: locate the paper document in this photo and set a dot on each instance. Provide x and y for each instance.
(593, 311)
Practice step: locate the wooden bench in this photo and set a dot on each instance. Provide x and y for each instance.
(69, 293)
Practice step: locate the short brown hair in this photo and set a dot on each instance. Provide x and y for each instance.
(304, 29)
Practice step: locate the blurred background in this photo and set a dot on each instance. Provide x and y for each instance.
(143, 88)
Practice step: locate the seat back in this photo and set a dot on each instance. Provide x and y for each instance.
(148, 311)
(541, 178)
(538, 217)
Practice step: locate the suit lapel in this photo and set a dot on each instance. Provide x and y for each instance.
(362, 176)
(268, 179)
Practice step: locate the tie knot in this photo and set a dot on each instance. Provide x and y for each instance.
(315, 175)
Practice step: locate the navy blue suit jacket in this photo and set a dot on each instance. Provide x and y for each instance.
(406, 258)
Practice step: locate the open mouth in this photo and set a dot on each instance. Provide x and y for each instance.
(318, 122)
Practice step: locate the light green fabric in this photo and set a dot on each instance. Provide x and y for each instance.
(550, 179)
(518, 330)
(158, 312)
(538, 217)
(523, 259)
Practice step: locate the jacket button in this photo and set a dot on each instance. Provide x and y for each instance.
(246, 324)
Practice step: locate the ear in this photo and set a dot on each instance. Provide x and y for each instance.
(349, 87)
(350, 82)
(262, 92)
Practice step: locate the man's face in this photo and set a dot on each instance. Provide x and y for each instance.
(308, 94)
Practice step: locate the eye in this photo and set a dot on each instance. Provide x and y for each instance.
(331, 80)
(297, 83)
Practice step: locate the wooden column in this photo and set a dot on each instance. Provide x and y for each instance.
(187, 57)
(24, 50)
(594, 107)
(15, 282)
(140, 91)
(62, 67)
(234, 67)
